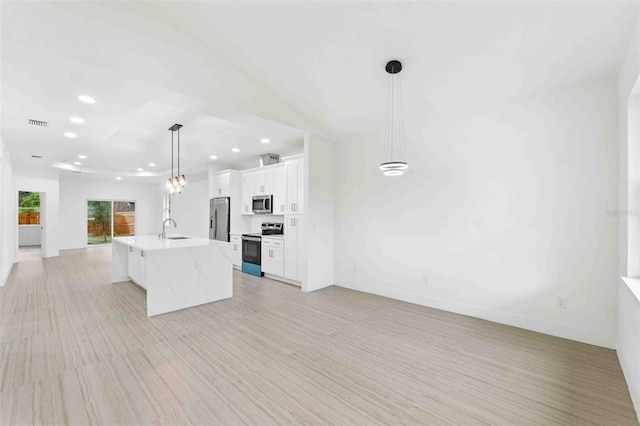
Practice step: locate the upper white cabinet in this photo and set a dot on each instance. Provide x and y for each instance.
(224, 184)
(247, 180)
(263, 182)
(279, 190)
(221, 185)
(295, 187)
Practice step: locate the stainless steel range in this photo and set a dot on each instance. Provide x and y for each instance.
(252, 247)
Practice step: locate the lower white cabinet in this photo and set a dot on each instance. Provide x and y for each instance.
(137, 266)
(294, 258)
(273, 256)
(236, 246)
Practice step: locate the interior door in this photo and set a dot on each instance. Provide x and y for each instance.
(43, 224)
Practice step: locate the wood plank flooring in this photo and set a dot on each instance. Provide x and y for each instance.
(78, 350)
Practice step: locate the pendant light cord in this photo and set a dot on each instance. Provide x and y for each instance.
(172, 157)
(178, 156)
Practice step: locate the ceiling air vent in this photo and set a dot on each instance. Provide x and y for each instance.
(36, 156)
(37, 123)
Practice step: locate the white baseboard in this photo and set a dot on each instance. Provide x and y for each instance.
(633, 387)
(501, 317)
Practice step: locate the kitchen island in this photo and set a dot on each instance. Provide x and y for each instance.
(178, 271)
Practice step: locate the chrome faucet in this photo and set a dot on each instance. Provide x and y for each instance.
(164, 224)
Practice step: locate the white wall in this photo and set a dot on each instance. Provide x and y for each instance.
(47, 183)
(75, 192)
(8, 214)
(501, 212)
(628, 343)
(319, 194)
(190, 210)
(29, 235)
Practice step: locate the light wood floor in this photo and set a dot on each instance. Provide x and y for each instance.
(78, 350)
(29, 253)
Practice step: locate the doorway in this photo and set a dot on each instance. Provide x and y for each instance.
(30, 226)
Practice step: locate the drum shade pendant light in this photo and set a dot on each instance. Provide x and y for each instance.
(176, 182)
(394, 127)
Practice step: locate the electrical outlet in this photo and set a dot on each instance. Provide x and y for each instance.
(425, 280)
(562, 302)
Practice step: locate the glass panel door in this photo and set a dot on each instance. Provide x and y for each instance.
(124, 218)
(98, 222)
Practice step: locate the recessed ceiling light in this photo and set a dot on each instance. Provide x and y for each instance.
(264, 140)
(152, 164)
(76, 120)
(71, 135)
(140, 169)
(213, 157)
(235, 149)
(82, 157)
(77, 163)
(118, 178)
(86, 99)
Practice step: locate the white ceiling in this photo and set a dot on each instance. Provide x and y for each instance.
(152, 64)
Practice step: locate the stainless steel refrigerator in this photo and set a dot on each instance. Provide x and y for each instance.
(219, 219)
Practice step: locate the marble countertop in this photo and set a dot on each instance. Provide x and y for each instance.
(153, 242)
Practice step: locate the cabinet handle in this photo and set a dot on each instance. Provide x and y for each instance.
(142, 253)
(281, 207)
(130, 248)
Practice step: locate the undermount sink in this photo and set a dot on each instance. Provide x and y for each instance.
(178, 238)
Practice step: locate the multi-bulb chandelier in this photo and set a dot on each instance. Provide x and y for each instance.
(394, 127)
(176, 182)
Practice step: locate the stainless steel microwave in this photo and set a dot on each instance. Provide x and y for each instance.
(262, 204)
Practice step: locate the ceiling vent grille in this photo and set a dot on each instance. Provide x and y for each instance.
(38, 123)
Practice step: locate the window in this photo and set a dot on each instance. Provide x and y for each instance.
(28, 208)
(108, 219)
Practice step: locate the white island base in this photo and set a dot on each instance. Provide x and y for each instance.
(177, 274)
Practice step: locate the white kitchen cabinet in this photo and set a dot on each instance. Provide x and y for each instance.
(236, 246)
(295, 187)
(273, 256)
(263, 181)
(294, 255)
(247, 180)
(137, 266)
(221, 185)
(279, 189)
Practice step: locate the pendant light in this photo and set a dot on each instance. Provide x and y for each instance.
(176, 182)
(394, 127)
